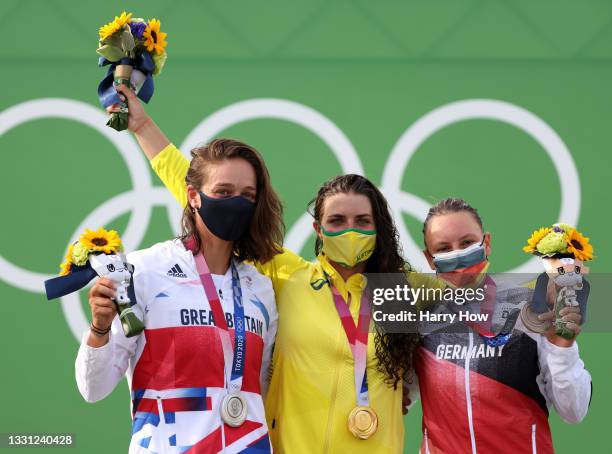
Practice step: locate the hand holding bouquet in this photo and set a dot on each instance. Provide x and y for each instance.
(98, 253)
(134, 51)
(563, 251)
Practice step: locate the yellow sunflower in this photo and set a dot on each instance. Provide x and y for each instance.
(112, 27)
(154, 39)
(536, 237)
(105, 241)
(578, 245)
(65, 267)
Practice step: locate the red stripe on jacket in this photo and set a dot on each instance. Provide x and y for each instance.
(502, 416)
(192, 357)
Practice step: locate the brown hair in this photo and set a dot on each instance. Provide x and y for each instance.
(264, 237)
(450, 205)
(387, 256)
(394, 351)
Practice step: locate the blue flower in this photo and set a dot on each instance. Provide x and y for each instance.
(138, 29)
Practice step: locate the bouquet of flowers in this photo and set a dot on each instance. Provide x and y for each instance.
(98, 253)
(563, 251)
(134, 51)
(560, 239)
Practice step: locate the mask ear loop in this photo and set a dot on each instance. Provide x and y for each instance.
(482, 244)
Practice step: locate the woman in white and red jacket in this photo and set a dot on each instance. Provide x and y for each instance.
(482, 393)
(198, 371)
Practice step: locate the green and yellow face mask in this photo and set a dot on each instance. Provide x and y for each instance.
(350, 246)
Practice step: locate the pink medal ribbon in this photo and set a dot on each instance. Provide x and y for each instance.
(358, 340)
(233, 360)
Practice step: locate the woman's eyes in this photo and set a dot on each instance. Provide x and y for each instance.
(358, 222)
(225, 193)
(464, 244)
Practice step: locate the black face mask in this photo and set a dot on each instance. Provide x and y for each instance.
(226, 218)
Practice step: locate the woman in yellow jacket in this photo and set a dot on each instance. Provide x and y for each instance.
(320, 400)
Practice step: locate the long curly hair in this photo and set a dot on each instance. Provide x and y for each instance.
(394, 351)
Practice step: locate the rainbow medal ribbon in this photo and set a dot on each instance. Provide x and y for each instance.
(362, 420)
(234, 405)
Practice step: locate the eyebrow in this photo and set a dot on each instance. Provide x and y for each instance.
(340, 215)
(231, 186)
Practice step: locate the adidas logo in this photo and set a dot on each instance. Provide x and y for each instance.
(176, 271)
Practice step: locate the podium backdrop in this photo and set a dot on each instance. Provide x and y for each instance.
(505, 103)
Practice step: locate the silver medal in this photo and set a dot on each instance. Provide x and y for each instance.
(234, 409)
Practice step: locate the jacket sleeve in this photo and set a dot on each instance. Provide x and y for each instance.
(564, 381)
(98, 370)
(171, 167)
(280, 268)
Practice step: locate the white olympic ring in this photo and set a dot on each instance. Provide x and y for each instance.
(144, 196)
(140, 200)
(472, 109)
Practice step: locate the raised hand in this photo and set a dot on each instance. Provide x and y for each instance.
(137, 117)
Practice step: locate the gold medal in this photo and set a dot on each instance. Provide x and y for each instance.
(362, 422)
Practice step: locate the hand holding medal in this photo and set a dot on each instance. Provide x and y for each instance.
(134, 51)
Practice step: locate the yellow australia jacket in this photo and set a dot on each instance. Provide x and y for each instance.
(312, 388)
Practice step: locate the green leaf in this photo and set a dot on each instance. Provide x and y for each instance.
(160, 61)
(118, 121)
(127, 40)
(114, 39)
(111, 53)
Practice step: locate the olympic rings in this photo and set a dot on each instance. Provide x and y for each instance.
(144, 196)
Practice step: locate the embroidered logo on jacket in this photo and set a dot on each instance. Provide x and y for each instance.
(176, 271)
(318, 284)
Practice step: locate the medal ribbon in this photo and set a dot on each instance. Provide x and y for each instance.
(358, 340)
(234, 358)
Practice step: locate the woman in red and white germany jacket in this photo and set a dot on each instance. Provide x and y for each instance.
(198, 371)
(482, 393)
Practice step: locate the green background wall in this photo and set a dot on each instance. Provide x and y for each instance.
(373, 68)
